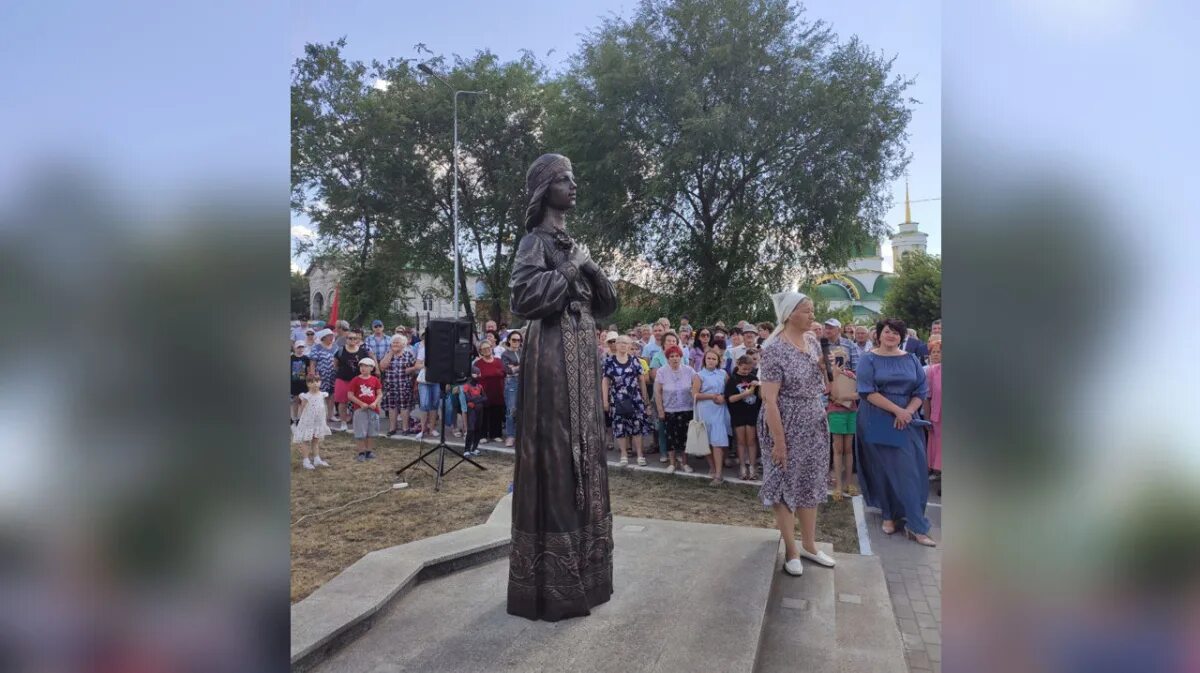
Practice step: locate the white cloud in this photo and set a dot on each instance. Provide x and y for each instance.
(381, 84)
(302, 232)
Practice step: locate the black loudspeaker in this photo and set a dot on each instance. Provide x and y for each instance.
(448, 351)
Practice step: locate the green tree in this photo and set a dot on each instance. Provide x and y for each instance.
(372, 167)
(729, 143)
(500, 135)
(299, 285)
(915, 295)
(358, 173)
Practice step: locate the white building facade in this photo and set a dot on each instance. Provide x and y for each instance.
(427, 296)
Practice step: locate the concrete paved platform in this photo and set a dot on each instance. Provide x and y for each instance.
(687, 597)
(831, 620)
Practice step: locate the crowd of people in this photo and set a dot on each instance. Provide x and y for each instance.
(657, 379)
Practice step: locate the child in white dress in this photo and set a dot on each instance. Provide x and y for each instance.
(312, 426)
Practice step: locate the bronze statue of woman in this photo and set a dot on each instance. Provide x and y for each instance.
(560, 565)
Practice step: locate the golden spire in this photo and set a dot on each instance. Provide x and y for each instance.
(907, 208)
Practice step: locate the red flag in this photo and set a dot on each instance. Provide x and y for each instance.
(333, 309)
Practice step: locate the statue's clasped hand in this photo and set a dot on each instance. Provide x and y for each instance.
(580, 256)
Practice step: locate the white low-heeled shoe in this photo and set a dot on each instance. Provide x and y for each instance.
(820, 558)
(794, 567)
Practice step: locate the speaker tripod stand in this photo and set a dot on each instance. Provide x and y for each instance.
(440, 470)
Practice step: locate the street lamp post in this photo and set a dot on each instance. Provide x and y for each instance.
(429, 71)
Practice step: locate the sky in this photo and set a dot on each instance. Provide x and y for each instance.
(141, 92)
(377, 29)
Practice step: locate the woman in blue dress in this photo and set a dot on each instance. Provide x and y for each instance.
(708, 389)
(893, 469)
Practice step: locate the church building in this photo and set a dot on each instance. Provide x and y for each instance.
(863, 284)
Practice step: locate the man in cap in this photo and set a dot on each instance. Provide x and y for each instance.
(842, 351)
(378, 343)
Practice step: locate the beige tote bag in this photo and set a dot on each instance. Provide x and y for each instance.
(697, 437)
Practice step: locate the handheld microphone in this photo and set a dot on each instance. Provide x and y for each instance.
(828, 362)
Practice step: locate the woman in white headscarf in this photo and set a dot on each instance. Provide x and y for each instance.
(793, 430)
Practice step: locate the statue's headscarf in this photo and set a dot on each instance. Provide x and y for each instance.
(785, 303)
(541, 173)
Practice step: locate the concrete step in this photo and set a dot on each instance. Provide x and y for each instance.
(799, 632)
(866, 633)
(687, 597)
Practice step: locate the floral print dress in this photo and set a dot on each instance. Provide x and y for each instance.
(623, 384)
(397, 385)
(800, 483)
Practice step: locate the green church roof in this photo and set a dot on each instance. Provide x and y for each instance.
(833, 292)
(882, 284)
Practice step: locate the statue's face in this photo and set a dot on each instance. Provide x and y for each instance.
(561, 194)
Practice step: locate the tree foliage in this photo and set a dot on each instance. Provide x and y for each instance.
(372, 167)
(358, 173)
(299, 286)
(915, 295)
(500, 135)
(729, 143)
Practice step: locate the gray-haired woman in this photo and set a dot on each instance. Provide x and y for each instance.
(398, 366)
(491, 377)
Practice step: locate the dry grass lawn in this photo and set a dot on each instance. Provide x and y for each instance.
(322, 546)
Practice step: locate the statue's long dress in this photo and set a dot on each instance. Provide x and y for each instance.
(561, 560)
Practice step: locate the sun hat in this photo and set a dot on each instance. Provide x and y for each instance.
(324, 333)
(376, 323)
(299, 344)
(611, 336)
(366, 361)
(833, 322)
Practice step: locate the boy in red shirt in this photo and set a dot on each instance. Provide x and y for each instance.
(365, 395)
